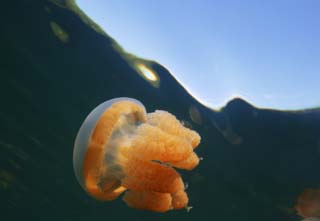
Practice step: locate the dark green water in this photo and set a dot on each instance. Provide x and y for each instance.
(55, 69)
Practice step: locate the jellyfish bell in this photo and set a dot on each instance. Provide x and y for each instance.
(82, 155)
(120, 147)
(308, 204)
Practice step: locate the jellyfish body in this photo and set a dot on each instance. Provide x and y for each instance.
(308, 204)
(311, 219)
(120, 148)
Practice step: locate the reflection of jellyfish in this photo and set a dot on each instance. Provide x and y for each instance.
(308, 204)
(119, 147)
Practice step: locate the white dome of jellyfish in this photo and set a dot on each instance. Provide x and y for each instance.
(120, 148)
(308, 204)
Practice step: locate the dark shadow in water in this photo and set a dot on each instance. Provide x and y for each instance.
(55, 69)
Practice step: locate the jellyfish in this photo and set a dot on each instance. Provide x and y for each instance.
(312, 219)
(308, 204)
(120, 149)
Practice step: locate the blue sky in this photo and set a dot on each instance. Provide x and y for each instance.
(266, 51)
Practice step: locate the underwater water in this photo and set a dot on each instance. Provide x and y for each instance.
(56, 66)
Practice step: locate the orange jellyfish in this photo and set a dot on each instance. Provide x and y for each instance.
(120, 148)
(312, 219)
(308, 204)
